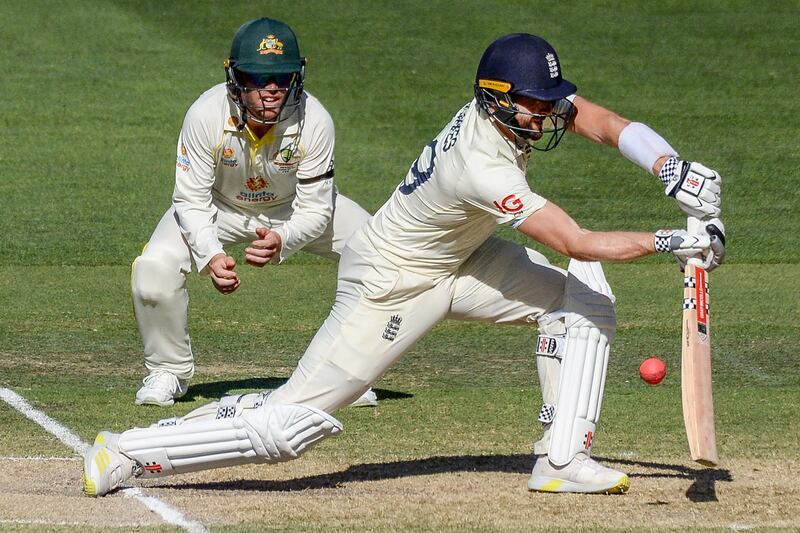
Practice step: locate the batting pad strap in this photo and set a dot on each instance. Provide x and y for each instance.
(551, 345)
(226, 407)
(547, 413)
(643, 146)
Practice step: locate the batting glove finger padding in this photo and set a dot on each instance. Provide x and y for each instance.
(695, 187)
(716, 231)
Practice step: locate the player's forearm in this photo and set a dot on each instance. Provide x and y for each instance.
(195, 211)
(609, 246)
(597, 123)
(554, 228)
(636, 141)
(643, 146)
(191, 197)
(197, 227)
(313, 210)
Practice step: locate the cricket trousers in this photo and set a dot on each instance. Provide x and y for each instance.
(158, 277)
(380, 311)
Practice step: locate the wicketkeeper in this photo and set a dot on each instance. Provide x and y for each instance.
(430, 254)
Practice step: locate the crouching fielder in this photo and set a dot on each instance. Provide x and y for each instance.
(429, 254)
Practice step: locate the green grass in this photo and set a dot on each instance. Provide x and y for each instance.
(89, 119)
(64, 354)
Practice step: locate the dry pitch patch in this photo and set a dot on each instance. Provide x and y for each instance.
(430, 493)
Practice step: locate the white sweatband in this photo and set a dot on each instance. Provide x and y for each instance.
(640, 144)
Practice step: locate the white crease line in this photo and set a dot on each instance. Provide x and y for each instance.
(37, 458)
(62, 433)
(51, 426)
(162, 509)
(22, 521)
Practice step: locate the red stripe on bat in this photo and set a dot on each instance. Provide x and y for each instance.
(702, 296)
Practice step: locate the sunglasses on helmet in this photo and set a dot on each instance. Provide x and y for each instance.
(262, 80)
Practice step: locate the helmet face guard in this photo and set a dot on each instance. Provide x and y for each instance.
(521, 65)
(549, 127)
(240, 84)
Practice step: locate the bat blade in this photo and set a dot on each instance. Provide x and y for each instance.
(698, 403)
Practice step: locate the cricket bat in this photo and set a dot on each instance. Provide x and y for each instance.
(698, 403)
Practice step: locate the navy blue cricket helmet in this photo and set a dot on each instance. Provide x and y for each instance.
(524, 65)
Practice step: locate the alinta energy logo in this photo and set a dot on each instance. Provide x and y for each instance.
(270, 45)
(256, 183)
(255, 196)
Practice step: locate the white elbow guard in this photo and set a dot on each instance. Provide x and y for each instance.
(640, 144)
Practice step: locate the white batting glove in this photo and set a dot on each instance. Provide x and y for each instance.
(683, 245)
(716, 231)
(695, 187)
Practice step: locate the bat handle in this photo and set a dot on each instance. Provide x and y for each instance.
(695, 225)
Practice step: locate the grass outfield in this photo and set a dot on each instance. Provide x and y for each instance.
(94, 95)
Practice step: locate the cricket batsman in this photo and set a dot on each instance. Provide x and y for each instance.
(430, 254)
(254, 164)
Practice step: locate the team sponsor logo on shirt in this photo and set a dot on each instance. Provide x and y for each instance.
(256, 183)
(270, 45)
(182, 162)
(229, 158)
(256, 197)
(509, 204)
(287, 158)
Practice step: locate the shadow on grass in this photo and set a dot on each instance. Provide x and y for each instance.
(216, 389)
(702, 488)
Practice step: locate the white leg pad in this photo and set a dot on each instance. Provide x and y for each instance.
(259, 434)
(590, 321)
(583, 374)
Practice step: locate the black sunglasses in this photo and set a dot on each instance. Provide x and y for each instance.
(262, 80)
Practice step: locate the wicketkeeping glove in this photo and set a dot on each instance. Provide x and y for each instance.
(695, 187)
(684, 245)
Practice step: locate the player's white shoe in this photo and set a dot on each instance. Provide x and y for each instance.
(368, 399)
(106, 438)
(582, 474)
(161, 388)
(104, 467)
